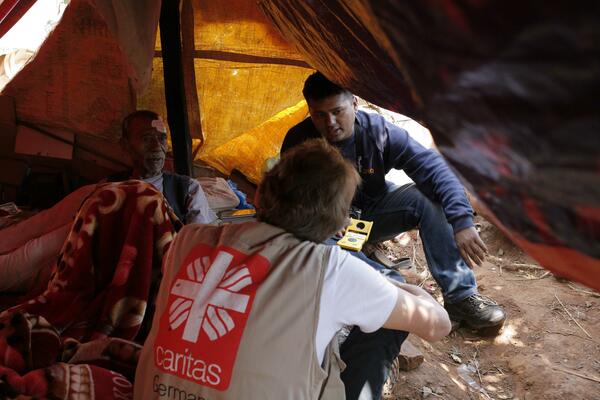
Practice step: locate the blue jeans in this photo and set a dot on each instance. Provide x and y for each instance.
(403, 208)
(369, 356)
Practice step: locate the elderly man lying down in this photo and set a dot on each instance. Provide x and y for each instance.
(89, 268)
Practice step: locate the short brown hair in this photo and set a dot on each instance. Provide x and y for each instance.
(308, 193)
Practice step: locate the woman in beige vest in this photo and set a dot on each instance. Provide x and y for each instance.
(251, 310)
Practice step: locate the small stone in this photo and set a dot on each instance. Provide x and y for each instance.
(426, 391)
(455, 358)
(410, 357)
(500, 252)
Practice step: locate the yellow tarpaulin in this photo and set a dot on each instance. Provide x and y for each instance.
(245, 74)
(249, 152)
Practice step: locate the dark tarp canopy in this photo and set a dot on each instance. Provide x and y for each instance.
(509, 91)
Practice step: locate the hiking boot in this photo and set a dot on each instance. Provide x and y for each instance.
(478, 312)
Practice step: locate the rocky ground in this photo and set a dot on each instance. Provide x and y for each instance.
(549, 347)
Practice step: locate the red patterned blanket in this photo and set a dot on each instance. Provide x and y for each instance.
(102, 286)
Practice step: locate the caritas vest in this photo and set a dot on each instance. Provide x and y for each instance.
(236, 317)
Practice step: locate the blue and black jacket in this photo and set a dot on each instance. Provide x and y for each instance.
(380, 146)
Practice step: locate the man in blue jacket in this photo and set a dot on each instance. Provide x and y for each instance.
(436, 203)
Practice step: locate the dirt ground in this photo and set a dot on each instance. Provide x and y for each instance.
(549, 347)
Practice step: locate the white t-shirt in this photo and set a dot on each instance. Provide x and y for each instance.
(197, 209)
(353, 294)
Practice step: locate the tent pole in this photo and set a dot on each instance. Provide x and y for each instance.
(189, 71)
(174, 86)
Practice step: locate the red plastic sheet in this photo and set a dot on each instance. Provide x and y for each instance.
(11, 11)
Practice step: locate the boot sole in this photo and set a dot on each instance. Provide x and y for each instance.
(486, 331)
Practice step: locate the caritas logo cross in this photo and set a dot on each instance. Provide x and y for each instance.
(203, 322)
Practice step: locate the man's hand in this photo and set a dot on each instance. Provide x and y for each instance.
(340, 234)
(471, 247)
